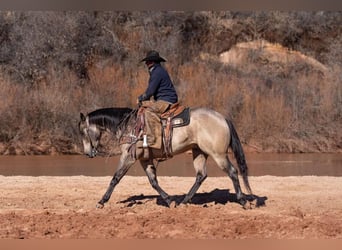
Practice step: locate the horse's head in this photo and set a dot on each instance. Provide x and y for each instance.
(91, 135)
(92, 125)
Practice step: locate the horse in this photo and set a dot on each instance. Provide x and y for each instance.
(209, 133)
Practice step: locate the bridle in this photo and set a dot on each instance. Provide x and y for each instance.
(93, 150)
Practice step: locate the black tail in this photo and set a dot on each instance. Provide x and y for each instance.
(239, 155)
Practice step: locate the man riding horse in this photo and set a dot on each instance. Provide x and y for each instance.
(161, 88)
(208, 134)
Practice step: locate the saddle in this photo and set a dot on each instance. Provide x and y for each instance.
(175, 116)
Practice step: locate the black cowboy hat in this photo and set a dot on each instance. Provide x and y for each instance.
(153, 56)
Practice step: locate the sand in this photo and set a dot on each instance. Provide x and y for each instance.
(306, 207)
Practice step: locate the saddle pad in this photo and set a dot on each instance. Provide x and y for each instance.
(182, 119)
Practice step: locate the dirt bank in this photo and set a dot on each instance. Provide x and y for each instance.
(64, 207)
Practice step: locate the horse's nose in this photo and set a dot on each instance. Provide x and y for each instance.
(92, 153)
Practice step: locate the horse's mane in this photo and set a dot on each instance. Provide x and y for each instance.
(109, 118)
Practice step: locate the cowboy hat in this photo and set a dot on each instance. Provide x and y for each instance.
(153, 56)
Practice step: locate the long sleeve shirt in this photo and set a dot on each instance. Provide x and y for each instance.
(160, 86)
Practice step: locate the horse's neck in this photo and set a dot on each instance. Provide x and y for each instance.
(122, 128)
(126, 128)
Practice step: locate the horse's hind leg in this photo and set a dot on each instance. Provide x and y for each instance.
(199, 159)
(224, 163)
(151, 173)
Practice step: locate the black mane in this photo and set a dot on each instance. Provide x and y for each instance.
(108, 118)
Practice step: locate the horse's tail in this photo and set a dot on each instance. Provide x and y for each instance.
(239, 154)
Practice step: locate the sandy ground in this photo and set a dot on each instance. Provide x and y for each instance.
(306, 207)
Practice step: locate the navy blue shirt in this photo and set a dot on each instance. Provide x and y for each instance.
(160, 86)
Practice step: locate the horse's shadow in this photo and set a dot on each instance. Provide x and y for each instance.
(217, 196)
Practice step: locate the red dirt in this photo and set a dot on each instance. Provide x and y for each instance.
(64, 207)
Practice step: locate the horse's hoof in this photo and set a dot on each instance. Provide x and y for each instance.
(168, 202)
(243, 202)
(183, 204)
(248, 205)
(99, 206)
(173, 204)
(253, 204)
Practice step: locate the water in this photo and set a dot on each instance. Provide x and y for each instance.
(181, 165)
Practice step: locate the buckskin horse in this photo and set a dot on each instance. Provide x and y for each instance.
(208, 134)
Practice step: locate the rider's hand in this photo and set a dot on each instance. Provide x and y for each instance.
(139, 102)
(141, 98)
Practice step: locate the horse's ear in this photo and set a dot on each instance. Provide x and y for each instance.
(83, 118)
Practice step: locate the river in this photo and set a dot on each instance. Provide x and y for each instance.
(181, 165)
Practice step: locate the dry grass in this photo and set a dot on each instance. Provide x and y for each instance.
(267, 114)
(280, 99)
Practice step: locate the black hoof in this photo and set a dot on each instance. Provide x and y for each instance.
(184, 202)
(167, 201)
(100, 205)
(242, 202)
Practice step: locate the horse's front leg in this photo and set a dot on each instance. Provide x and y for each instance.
(126, 161)
(150, 171)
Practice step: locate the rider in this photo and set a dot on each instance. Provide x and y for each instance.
(161, 88)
